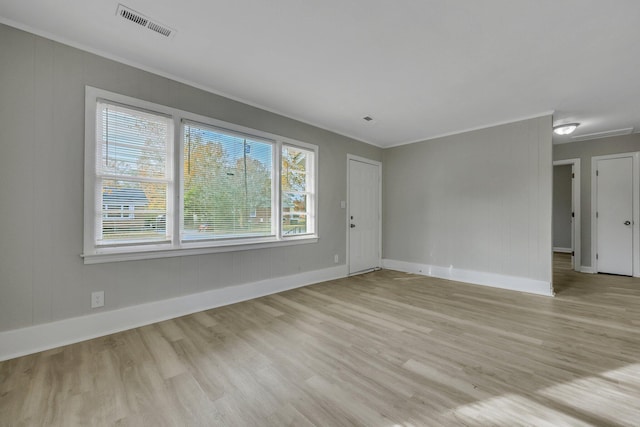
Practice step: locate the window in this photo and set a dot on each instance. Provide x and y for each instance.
(132, 173)
(226, 177)
(297, 191)
(165, 182)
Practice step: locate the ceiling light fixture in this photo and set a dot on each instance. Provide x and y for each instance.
(565, 129)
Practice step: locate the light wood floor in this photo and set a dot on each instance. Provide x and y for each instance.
(381, 349)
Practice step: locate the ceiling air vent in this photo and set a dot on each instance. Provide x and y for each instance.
(159, 29)
(140, 19)
(132, 16)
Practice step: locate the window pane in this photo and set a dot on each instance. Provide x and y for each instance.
(132, 164)
(297, 191)
(294, 169)
(294, 214)
(131, 142)
(227, 185)
(133, 211)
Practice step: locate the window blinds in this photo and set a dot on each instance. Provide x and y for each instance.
(227, 184)
(132, 175)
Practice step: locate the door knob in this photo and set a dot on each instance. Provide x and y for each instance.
(627, 223)
(353, 226)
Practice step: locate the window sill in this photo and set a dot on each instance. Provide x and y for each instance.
(133, 254)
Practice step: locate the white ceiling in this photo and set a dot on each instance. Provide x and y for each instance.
(420, 68)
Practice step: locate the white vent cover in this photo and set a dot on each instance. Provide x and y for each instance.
(140, 19)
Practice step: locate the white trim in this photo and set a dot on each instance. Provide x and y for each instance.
(587, 270)
(485, 126)
(348, 207)
(635, 156)
(576, 232)
(19, 342)
(601, 135)
(228, 246)
(514, 283)
(563, 250)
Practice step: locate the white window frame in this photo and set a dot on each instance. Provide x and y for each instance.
(310, 174)
(176, 247)
(274, 190)
(97, 177)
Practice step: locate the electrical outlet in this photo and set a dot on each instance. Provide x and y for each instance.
(336, 259)
(97, 299)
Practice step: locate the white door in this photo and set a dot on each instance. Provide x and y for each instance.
(614, 216)
(364, 216)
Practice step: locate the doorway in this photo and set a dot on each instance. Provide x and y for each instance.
(615, 214)
(566, 212)
(364, 214)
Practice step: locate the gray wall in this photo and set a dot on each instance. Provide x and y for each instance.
(562, 207)
(585, 150)
(42, 276)
(476, 201)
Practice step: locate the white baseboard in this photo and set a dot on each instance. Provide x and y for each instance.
(32, 339)
(563, 250)
(522, 284)
(587, 269)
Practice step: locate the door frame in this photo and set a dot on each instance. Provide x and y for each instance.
(635, 207)
(348, 208)
(576, 209)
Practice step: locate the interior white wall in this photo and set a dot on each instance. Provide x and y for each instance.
(43, 278)
(473, 202)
